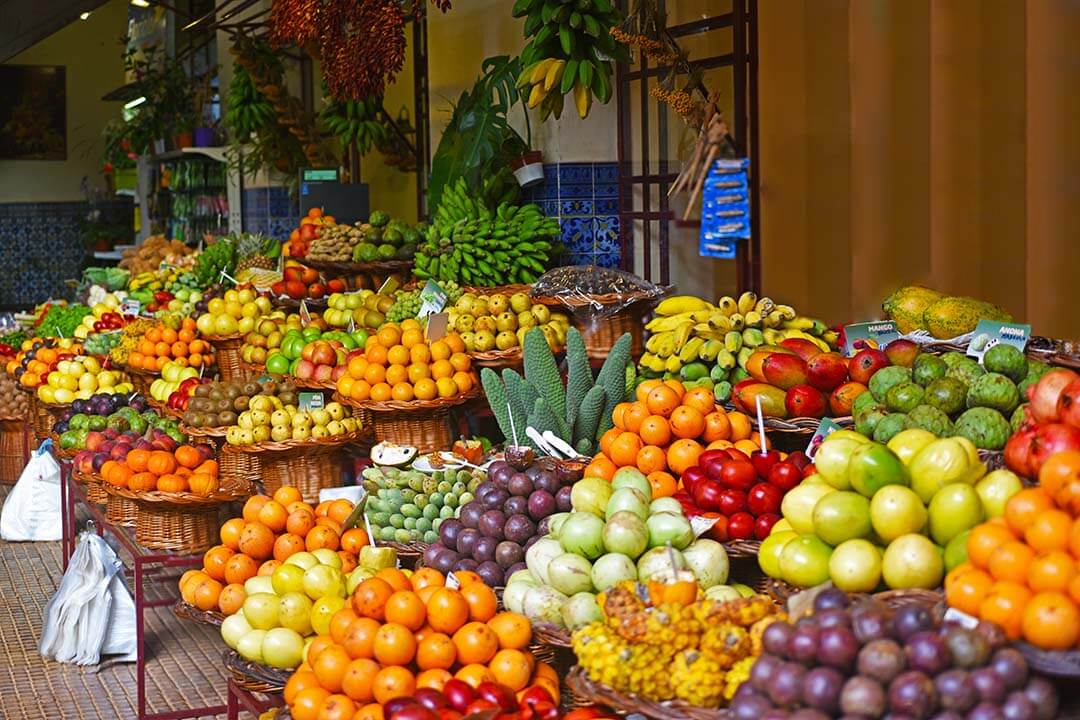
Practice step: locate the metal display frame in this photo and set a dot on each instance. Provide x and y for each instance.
(659, 173)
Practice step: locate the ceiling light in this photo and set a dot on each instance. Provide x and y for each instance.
(140, 3)
(84, 16)
(135, 103)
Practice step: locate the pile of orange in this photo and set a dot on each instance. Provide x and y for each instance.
(189, 468)
(1022, 571)
(402, 632)
(664, 430)
(398, 363)
(161, 344)
(37, 368)
(268, 533)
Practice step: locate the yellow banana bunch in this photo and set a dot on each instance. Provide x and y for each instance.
(678, 304)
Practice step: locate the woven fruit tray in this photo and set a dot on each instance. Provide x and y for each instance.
(186, 611)
(581, 685)
(334, 269)
(255, 677)
(408, 406)
(326, 444)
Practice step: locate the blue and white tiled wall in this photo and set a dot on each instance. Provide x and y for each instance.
(41, 246)
(271, 211)
(585, 198)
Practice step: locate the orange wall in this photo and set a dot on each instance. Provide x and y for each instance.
(924, 142)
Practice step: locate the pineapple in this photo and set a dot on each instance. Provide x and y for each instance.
(249, 250)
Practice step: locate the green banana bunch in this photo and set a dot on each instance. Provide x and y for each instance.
(354, 122)
(248, 110)
(570, 50)
(471, 244)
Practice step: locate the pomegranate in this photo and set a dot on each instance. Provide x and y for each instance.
(1050, 440)
(1045, 394)
(1018, 451)
(1069, 404)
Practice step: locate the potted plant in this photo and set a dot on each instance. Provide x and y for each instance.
(478, 141)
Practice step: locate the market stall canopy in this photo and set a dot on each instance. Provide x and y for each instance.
(23, 23)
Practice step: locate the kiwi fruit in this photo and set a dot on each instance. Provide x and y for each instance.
(287, 398)
(240, 403)
(251, 388)
(202, 391)
(226, 417)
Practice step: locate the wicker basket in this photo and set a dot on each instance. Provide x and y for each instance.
(227, 352)
(119, 510)
(95, 489)
(308, 465)
(590, 692)
(41, 421)
(184, 611)
(363, 276)
(239, 468)
(930, 599)
(141, 379)
(255, 677)
(423, 424)
(13, 450)
(601, 332)
(180, 522)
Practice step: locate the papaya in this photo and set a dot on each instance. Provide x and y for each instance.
(953, 316)
(907, 305)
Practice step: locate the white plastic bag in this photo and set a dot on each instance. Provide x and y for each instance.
(91, 614)
(32, 508)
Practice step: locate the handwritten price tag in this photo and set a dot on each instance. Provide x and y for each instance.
(701, 524)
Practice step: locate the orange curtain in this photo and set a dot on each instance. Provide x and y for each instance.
(928, 141)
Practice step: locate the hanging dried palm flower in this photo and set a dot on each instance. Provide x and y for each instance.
(682, 100)
(646, 28)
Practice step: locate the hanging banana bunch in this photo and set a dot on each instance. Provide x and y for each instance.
(570, 50)
(354, 121)
(248, 111)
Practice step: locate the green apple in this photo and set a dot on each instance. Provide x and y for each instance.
(722, 593)
(295, 612)
(798, 505)
(995, 489)
(250, 646)
(907, 443)
(288, 578)
(282, 648)
(770, 550)
(805, 561)
(303, 559)
(855, 566)
(942, 462)
(956, 551)
(323, 611)
(896, 510)
(873, 466)
(912, 561)
(326, 556)
(233, 628)
(259, 584)
(261, 610)
(841, 515)
(954, 509)
(323, 580)
(832, 460)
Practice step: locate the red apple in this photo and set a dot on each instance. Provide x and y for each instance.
(740, 526)
(293, 273)
(804, 401)
(764, 498)
(718, 532)
(323, 354)
(738, 475)
(316, 290)
(692, 476)
(459, 693)
(1069, 404)
(335, 285)
(498, 694)
(305, 369)
(798, 458)
(323, 373)
(732, 501)
(785, 476)
(763, 461)
(865, 363)
(94, 440)
(339, 370)
(707, 494)
(713, 467)
(764, 524)
(826, 371)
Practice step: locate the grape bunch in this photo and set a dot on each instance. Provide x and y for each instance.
(407, 303)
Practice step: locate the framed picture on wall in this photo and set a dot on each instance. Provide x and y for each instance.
(33, 112)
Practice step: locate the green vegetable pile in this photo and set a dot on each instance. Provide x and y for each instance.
(213, 259)
(580, 412)
(15, 339)
(61, 321)
(472, 245)
(110, 278)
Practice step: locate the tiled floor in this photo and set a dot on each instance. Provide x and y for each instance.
(185, 669)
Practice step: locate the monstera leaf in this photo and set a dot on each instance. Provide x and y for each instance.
(479, 135)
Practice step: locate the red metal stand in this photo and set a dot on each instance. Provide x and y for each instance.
(146, 566)
(241, 699)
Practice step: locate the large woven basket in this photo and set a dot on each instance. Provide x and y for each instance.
(13, 450)
(141, 379)
(119, 510)
(310, 465)
(41, 421)
(95, 488)
(227, 352)
(588, 691)
(423, 424)
(363, 276)
(180, 522)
